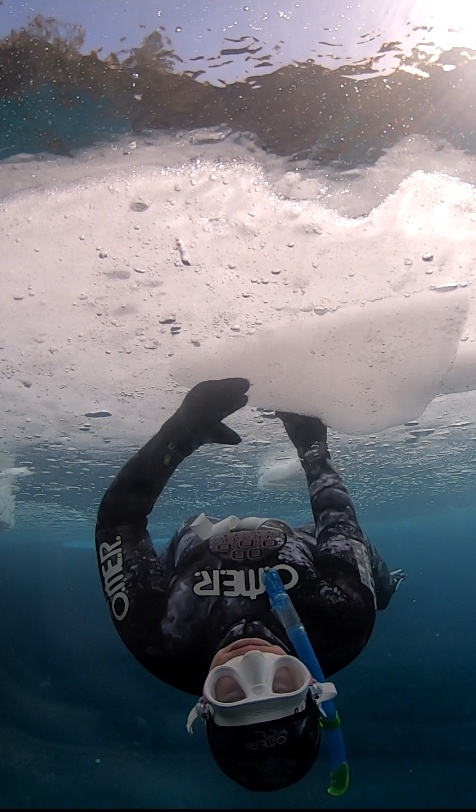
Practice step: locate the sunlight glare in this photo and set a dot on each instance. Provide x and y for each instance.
(452, 24)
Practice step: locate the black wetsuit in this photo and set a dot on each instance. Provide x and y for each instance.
(173, 608)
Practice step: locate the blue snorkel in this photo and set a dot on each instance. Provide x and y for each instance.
(284, 610)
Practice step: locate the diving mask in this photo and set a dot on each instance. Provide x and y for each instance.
(258, 687)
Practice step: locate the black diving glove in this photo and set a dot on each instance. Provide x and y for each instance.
(303, 431)
(205, 406)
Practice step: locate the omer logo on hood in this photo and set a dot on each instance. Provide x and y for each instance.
(267, 739)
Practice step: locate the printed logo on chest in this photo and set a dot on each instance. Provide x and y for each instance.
(245, 583)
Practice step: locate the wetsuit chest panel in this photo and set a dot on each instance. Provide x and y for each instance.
(241, 546)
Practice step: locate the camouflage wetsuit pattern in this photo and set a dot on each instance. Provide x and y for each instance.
(174, 607)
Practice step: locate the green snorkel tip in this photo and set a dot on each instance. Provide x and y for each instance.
(339, 780)
(330, 724)
(340, 776)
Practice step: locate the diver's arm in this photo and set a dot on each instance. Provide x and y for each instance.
(131, 496)
(134, 491)
(133, 576)
(330, 501)
(131, 572)
(332, 508)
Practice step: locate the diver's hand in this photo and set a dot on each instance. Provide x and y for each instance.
(303, 431)
(205, 406)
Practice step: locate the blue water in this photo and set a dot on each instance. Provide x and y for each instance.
(82, 724)
(53, 121)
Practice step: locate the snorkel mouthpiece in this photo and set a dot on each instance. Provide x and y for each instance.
(285, 611)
